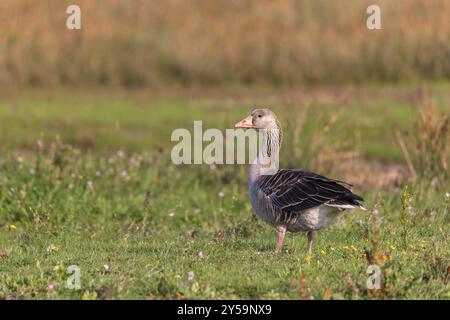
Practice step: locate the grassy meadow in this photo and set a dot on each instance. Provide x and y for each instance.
(86, 118)
(86, 180)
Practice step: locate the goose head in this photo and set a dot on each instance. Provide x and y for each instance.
(260, 119)
(266, 121)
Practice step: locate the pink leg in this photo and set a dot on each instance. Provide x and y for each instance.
(281, 234)
(310, 236)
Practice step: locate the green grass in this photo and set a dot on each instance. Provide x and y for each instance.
(92, 206)
(138, 121)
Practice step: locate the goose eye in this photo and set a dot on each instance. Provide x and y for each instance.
(259, 116)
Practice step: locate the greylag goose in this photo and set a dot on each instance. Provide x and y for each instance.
(290, 199)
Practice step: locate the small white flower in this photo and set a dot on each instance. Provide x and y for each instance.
(434, 182)
(105, 267)
(90, 185)
(447, 195)
(52, 248)
(171, 214)
(190, 275)
(124, 174)
(120, 154)
(133, 161)
(98, 173)
(221, 194)
(51, 286)
(200, 255)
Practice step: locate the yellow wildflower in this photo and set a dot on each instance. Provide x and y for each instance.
(52, 248)
(58, 267)
(12, 227)
(322, 252)
(308, 259)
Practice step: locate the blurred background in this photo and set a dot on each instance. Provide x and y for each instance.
(137, 70)
(159, 43)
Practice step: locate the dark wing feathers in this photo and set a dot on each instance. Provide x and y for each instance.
(297, 190)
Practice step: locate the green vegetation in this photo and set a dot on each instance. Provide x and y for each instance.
(86, 177)
(86, 180)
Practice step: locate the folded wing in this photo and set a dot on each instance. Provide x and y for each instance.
(296, 190)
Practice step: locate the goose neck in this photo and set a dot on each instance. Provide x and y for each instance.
(267, 160)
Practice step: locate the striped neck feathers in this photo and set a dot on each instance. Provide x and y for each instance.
(268, 158)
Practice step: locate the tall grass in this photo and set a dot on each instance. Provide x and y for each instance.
(426, 146)
(315, 149)
(214, 42)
